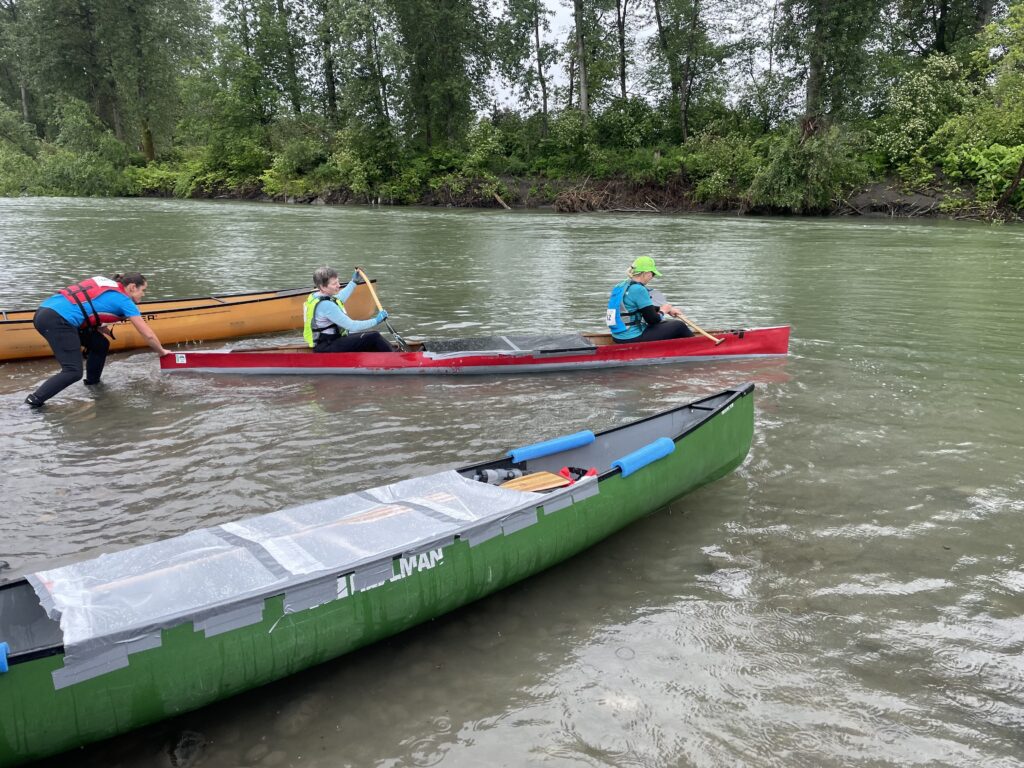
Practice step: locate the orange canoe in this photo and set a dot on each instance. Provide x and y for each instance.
(223, 316)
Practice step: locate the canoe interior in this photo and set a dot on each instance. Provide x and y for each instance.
(171, 305)
(24, 624)
(469, 344)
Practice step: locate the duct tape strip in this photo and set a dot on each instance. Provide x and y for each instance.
(518, 521)
(306, 596)
(583, 489)
(4, 650)
(96, 664)
(264, 557)
(239, 616)
(373, 575)
(548, 447)
(483, 533)
(640, 458)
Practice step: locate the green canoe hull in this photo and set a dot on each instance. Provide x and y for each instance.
(189, 670)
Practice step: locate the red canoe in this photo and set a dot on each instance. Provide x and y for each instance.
(495, 354)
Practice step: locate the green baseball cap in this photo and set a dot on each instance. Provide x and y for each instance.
(646, 264)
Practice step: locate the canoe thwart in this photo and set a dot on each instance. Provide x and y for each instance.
(548, 447)
(641, 457)
(537, 481)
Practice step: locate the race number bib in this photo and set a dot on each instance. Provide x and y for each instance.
(611, 318)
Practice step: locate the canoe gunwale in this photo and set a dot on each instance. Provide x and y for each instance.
(213, 301)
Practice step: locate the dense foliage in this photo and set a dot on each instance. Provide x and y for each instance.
(773, 105)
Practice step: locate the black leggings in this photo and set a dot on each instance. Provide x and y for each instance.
(371, 341)
(663, 331)
(66, 342)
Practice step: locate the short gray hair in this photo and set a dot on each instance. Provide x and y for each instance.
(323, 276)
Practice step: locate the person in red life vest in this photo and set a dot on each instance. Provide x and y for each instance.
(75, 317)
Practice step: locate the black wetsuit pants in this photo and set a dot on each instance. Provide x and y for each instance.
(66, 342)
(666, 329)
(371, 341)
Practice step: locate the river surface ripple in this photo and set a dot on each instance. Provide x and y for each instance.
(852, 595)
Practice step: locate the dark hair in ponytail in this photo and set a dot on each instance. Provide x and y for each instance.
(130, 278)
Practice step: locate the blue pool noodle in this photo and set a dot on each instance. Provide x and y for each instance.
(641, 457)
(548, 447)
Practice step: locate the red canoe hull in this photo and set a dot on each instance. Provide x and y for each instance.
(754, 342)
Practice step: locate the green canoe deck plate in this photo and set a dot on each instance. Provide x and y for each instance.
(102, 646)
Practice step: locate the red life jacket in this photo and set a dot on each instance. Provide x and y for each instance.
(86, 291)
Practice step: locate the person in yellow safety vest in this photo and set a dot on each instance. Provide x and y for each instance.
(633, 313)
(326, 325)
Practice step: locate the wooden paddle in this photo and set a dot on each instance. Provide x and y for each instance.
(401, 342)
(697, 328)
(536, 481)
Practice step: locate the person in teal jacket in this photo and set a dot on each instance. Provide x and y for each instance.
(633, 316)
(326, 325)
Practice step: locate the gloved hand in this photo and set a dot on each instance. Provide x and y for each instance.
(355, 275)
(381, 316)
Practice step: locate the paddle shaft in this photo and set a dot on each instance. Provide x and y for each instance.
(697, 328)
(401, 342)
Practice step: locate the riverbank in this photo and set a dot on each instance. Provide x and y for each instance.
(881, 199)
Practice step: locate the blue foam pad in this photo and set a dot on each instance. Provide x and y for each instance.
(4, 650)
(641, 457)
(548, 447)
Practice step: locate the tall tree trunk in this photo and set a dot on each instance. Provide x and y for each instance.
(24, 102)
(581, 59)
(380, 91)
(325, 35)
(663, 44)
(942, 27)
(815, 71)
(294, 91)
(686, 80)
(983, 13)
(330, 83)
(540, 70)
(621, 9)
(148, 146)
(572, 80)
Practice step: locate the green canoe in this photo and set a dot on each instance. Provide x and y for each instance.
(99, 647)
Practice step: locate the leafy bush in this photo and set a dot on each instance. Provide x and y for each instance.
(723, 167)
(62, 172)
(919, 104)
(16, 133)
(627, 123)
(990, 170)
(18, 171)
(154, 179)
(808, 176)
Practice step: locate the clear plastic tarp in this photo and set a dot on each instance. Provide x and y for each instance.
(338, 533)
(217, 577)
(137, 587)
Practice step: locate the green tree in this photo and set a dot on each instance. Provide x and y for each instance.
(829, 40)
(519, 40)
(687, 52)
(446, 49)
